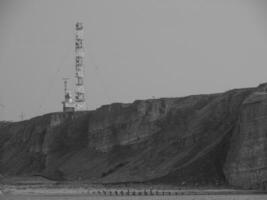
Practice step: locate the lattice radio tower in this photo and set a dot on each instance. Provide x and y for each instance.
(80, 103)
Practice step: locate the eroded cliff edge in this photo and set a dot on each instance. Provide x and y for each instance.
(195, 140)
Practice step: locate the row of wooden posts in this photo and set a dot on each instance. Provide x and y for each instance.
(133, 192)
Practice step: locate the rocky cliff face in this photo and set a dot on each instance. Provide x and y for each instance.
(246, 163)
(196, 140)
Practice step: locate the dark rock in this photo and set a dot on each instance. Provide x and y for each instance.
(196, 140)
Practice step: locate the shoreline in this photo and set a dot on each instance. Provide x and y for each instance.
(91, 191)
(34, 186)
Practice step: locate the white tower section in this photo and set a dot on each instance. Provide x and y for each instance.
(80, 103)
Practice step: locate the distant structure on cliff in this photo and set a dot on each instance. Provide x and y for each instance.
(68, 103)
(79, 51)
(79, 101)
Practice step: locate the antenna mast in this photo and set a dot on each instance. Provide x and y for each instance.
(68, 104)
(65, 85)
(80, 103)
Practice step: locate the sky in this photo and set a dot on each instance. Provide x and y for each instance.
(134, 49)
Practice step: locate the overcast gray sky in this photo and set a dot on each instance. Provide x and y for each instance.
(135, 49)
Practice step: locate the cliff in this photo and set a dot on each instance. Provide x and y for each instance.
(195, 140)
